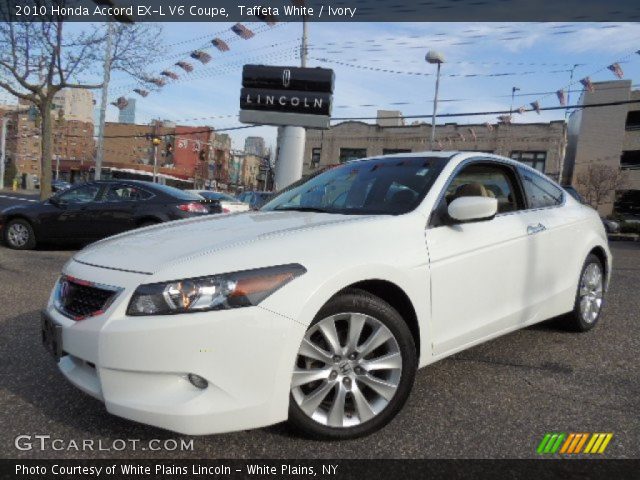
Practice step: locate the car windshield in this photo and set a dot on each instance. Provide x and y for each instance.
(386, 186)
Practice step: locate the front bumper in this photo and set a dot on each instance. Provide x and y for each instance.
(138, 366)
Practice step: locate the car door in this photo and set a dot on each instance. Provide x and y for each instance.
(480, 271)
(116, 211)
(69, 220)
(552, 227)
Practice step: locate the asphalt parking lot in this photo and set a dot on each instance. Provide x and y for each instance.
(496, 400)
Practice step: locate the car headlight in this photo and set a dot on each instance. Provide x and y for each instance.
(216, 292)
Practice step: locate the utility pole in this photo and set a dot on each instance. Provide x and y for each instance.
(434, 57)
(291, 140)
(572, 71)
(513, 94)
(103, 101)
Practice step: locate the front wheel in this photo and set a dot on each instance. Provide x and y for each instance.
(18, 234)
(354, 370)
(589, 297)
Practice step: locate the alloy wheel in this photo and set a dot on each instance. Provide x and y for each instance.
(18, 235)
(348, 369)
(591, 292)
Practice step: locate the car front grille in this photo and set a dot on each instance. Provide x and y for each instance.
(78, 299)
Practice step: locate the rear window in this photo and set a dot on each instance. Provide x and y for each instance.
(176, 193)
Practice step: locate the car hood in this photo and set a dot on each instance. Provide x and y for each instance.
(149, 249)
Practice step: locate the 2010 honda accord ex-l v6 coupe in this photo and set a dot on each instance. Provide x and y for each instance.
(320, 307)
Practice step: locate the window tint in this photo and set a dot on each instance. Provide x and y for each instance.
(125, 193)
(83, 194)
(540, 193)
(485, 180)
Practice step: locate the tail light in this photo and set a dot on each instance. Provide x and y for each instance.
(225, 210)
(193, 207)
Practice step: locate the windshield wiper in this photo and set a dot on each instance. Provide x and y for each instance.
(301, 209)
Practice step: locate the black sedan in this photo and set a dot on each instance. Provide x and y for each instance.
(95, 210)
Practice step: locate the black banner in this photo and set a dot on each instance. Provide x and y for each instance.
(321, 469)
(322, 11)
(288, 78)
(312, 103)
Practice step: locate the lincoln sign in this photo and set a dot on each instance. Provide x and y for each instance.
(291, 96)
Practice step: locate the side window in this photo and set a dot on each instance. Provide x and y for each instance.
(540, 193)
(485, 180)
(83, 194)
(126, 193)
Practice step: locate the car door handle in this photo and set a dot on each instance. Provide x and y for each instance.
(533, 229)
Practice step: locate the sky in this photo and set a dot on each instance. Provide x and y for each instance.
(536, 58)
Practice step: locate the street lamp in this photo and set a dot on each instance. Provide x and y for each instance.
(437, 58)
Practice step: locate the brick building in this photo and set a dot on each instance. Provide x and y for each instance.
(194, 154)
(541, 145)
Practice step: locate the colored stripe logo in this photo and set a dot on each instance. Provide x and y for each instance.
(573, 443)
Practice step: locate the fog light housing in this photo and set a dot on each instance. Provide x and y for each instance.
(197, 381)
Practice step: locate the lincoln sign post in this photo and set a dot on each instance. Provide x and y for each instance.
(293, 98)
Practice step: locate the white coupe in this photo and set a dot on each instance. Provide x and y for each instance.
(320, 307)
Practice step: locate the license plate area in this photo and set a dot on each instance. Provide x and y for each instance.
(51, 336)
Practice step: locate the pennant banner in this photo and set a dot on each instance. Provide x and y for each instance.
(186, 66)
(220, 44)
(201, 56)
(586, 83)
(242, 31)
(536, 106)
(562, 97)
(170, 74)
(616, 69)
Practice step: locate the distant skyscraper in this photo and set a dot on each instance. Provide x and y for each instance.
(255, 146)
(128, 113)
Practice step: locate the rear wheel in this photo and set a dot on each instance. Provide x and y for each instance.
(589, 297)
(18, 234)
(354, 369)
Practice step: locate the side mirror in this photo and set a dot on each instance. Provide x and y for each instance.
(473, 209)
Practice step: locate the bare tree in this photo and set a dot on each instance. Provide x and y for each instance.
(598, 183)
(38, 59)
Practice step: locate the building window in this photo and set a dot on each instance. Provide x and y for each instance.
(315, 157)
(347, 154)
(533, 159)
(630, 160)
(391, 151)
(633, 120)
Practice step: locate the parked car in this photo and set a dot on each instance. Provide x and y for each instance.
(95, 210)
(320, 307)
(56, 185)
(59, 185)
(255, 200)
(611, 226)
(628, 203)
(227, 203)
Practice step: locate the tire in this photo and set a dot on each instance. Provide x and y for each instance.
(341, 383)
(589, 296)
(18, 235)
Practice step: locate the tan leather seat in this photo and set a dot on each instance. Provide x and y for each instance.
(471, 190)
